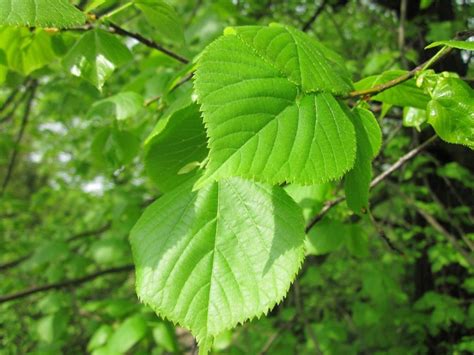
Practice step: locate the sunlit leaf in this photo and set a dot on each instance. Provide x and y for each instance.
(40, 13)
(213, 258)
(95, 56)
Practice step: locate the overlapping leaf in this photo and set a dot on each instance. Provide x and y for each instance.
(268, 102)
(451, 111)
(163, 18)
(369, 140)
(95, 56)
(213, 258)
(40, 13)
(180, 141)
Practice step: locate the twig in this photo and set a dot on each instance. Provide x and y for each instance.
(397, 165)
(439, 228)
(317, 12)
(13, 263)
(302, 316)
(400, 162)
(19, 137)
(443, 52)
(116, 29)
(401, 31)
(382, 233)
(65, 283)
(89, 233)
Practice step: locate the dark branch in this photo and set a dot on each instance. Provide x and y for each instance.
(116, 29)
(397, 165)
(315, 15)
(19, 137)
(408, 75)
(91, 233)
(81, 235)
(64, 284)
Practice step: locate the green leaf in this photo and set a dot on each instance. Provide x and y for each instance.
(26, 51)
(326, 236)
(95, 56)
(369, 140)
(404, 94)
(40, 13)
(424, 4)
(414, 117)
(451, 111)
(121, 106)
(131, 331)
(181, 141)
(268, 105)
(114, 147)
(469, 46)
(163, 18)
(216, 257)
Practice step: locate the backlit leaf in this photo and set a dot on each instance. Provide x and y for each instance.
(216, 257)
(95, 56)
(451, 111)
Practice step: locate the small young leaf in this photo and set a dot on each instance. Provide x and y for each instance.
(40, 13)
(413, 117)
(95, 56)
(121, 106)
(369, 140)
(451, 111)
(216, 257)
(469, 46)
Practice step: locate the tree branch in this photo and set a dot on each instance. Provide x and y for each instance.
(65, 283)
(442, 53)
(116, 29)
(317, 12)
(431, 220)
(19, 137)
(89, 233)
(397, 165)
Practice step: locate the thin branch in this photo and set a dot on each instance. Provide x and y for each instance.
(116, 29)
(317, 12)
(9, 99)
(401, 31)
(13, 263)
(91, 233)
(400, 162)
(64, 284)
(383, 235)
(81, 235)
(397, 165)
(431, 220)
(442, 53)
(19, 137)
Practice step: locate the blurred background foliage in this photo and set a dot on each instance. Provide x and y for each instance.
(79, 183)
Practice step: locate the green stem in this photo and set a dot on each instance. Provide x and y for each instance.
(117, 10)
